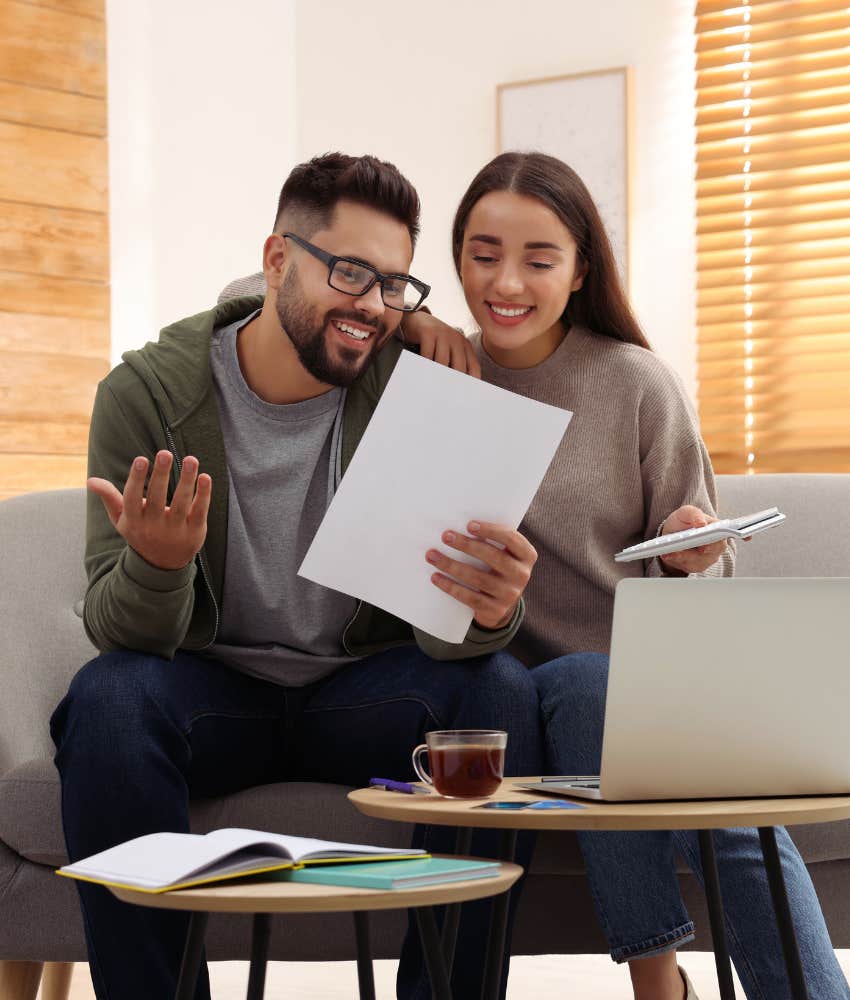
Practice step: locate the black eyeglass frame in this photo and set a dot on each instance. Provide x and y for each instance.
(378, 277)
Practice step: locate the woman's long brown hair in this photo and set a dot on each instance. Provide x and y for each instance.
(600, 304)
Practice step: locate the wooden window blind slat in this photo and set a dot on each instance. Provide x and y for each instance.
(801, 350)
(773, 233)
(719, 15)
(796, 270)
(767, 180)
(762, 88)
(811, 23)
(740, 73)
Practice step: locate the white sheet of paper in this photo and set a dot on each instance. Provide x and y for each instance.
(441, 449)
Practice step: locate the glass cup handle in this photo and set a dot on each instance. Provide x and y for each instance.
(417, 767)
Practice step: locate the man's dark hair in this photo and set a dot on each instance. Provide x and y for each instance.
(312, 191)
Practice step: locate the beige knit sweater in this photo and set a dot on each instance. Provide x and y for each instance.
(631, 455)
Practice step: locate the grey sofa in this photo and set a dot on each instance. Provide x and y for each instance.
(41, 540)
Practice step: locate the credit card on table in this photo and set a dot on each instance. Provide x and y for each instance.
(511, 806)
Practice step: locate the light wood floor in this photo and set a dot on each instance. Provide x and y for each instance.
(544, 977)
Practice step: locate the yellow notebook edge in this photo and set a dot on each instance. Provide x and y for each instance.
(215, 879)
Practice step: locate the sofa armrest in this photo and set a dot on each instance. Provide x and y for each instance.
(44, 645)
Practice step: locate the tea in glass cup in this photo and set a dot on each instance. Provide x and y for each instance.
(465, 763)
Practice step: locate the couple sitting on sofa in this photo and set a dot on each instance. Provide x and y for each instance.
(221, 668)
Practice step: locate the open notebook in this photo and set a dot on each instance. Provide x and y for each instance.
(161, 861)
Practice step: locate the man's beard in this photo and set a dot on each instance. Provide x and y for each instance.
(307, 331)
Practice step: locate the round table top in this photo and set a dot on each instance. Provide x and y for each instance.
(304, 897)
(696, 814)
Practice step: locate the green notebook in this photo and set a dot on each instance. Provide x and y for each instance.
(394, 874)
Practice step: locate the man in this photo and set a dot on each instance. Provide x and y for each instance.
(221, 668)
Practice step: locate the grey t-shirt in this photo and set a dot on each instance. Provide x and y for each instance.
(283, 468)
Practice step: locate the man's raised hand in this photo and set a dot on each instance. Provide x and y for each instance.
(166, 536)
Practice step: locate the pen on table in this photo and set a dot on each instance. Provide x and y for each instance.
(398, 786)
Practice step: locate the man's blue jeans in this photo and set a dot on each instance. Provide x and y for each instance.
(632, 875)
(137, 736)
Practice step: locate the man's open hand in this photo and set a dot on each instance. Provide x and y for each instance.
(492, 593)
(166, 536)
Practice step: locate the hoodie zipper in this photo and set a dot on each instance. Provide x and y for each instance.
(201, 560)
(345, 631)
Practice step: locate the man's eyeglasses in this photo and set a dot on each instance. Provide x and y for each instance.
(354, 277)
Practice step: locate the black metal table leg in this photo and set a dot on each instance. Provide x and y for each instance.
(259, 956)
(491, 987)
(365, 973)
(463, 844)
(776, 881)
(440, 986)
(715, 915)
(191, 964)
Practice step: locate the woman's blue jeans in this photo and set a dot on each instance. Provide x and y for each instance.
(632, 875)
(137, 736)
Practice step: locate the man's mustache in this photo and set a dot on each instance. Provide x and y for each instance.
(357, 317)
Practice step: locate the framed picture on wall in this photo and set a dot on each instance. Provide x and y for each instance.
(584, 120)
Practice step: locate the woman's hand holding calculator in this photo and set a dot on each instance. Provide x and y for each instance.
(691, 560)
(692, 540)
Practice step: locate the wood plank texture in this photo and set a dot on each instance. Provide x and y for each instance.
(35, 293)
(46, 167)
(43, 437)
(54, 241)
(54, 244)
(52, 48)
(88, 338)
(27, 105)
(19, 979)
(48, 387)
(31, 473)
(56, 980)
(85, 8)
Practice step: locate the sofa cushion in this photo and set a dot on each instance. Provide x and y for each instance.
(30, 821)
(31, 824)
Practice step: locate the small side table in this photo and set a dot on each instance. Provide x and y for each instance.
(703, 815)
(264, 898)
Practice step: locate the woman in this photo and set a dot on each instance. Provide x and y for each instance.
(540, 280)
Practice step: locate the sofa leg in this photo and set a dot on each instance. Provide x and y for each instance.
(56, 980)
(19, 980)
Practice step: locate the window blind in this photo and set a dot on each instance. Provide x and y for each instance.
(773, 233)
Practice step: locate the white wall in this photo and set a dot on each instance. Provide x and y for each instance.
(201, 137)
(420, 90)
(212, 103)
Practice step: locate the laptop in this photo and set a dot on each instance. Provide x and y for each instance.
(724, 688)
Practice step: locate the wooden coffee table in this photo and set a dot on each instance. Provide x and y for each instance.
(701, 815)
(263, 898)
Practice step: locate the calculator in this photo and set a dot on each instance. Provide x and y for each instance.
(676, 541)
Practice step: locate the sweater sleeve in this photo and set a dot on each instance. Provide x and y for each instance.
(675, 466)
(478, 641)
(128, 602)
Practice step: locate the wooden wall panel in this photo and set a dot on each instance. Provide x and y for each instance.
(54, 244)
(88, 8)
(27, 105)
(53, 241)
(87, 338)
(52, 48)
(32, 473)
(48, 387)
(36, 293)
(47, 167)
(34, 437)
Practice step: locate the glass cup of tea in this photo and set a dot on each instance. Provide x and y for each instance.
(465, 763)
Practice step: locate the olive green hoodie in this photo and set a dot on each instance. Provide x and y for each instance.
(163, 396)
